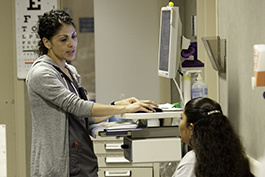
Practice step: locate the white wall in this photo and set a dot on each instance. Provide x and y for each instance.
(126, 49)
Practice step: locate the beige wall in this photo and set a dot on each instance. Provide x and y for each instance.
(206, 26)
(12, 103)
(242, 23)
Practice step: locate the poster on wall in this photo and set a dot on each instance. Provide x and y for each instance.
(3, 166)
(27, 14)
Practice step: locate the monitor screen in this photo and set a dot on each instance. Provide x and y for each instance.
(169, 42)
(164, 38)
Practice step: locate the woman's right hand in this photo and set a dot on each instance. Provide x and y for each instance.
(99, 110)
(142, 105)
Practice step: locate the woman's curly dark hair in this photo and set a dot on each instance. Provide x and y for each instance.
(218, 149)
(49, 24)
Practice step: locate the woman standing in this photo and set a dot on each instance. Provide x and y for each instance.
(61, 145)
(217, 150)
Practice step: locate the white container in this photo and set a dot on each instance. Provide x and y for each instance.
(199, 88)
(187, 89)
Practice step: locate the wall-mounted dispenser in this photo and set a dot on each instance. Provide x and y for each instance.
(259, 66)
(216, 50)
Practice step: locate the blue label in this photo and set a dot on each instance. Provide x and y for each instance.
(197, 92)
(205, 92)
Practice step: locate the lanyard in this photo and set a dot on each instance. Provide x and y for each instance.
(65, 77)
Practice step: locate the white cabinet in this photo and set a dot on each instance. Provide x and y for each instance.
(111, 160)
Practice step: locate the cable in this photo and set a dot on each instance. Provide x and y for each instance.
(180, 93)
(180, 72)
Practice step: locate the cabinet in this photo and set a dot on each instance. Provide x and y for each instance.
(111, 160)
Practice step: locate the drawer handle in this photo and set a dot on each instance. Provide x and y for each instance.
(113, 146)
(117, 173)
(116, 160)
(125, 146)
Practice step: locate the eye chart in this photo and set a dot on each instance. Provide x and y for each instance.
(27, 14)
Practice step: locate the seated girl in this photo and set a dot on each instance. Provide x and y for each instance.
(216, 148)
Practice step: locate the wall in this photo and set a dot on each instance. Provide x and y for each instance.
(126, 48)
(8, 73)
(85, 57)
(207, 26)
(242, 24)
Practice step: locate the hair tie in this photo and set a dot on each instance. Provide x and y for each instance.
(213, 112)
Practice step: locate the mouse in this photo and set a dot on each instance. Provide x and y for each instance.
(155, 108)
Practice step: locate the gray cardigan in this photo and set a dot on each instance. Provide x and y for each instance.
(50, 100)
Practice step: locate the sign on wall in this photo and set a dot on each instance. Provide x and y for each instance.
(27, 14)
(3, 169)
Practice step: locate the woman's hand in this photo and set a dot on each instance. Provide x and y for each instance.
(142, 105)
(126, 101)
(129, 105)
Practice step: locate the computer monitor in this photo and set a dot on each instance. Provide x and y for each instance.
(169, 42)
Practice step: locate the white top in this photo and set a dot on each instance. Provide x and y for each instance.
(186, 166)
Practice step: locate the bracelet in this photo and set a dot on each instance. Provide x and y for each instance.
(112, 103)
